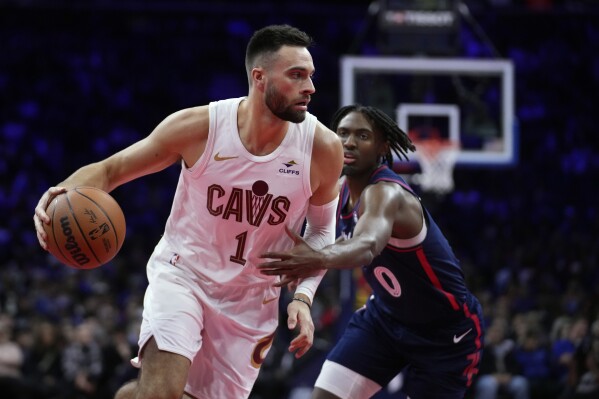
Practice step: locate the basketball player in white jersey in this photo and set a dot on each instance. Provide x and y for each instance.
(250, 167)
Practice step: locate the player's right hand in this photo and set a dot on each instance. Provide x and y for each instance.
(299, 317)
(40, 216)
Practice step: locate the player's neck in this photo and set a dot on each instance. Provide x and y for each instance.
(260, 131)
(357, 182)
(356, 185)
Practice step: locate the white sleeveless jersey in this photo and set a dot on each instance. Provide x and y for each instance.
(231, 206)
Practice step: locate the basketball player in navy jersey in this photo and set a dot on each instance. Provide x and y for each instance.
(250, 167)
(421, 319)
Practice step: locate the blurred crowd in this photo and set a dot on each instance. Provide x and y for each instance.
(77, 84)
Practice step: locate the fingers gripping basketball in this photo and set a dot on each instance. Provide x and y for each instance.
(87, 227)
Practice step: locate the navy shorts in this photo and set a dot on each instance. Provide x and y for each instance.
(438, 363)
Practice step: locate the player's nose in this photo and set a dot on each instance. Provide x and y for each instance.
(309, 87)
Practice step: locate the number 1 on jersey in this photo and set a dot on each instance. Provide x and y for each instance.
(238, 257)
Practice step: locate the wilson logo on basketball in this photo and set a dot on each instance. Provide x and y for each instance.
(71, 244)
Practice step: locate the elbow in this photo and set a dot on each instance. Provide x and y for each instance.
(371, 250)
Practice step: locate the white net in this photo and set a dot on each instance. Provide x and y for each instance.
(437, 160)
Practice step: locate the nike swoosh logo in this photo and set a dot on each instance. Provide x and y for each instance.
(217, 157)
(458, 339)
(266, 301)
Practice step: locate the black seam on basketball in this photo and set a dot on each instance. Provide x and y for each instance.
(116, 237)
(91, 249)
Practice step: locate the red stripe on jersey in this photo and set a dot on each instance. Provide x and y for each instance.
(476, 322)
(472, 369)
(434, 279)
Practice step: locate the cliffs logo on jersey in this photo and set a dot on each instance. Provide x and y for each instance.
(289, 169)
(254, 206)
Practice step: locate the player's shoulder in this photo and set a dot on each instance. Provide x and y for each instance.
(322, 131)
(188, 121)
(327, 150)
(388, 192)
(190, 116)
(326, 140)
(183, 127)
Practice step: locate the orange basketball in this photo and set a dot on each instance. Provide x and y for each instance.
(87, 227)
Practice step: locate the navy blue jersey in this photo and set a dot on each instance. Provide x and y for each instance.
(421, 321)
(420, 286)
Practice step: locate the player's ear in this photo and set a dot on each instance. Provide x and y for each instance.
(257, 75)
(384, 150)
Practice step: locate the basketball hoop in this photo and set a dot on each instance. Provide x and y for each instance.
(437, 158)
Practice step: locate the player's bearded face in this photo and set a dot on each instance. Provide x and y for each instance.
(281, 107)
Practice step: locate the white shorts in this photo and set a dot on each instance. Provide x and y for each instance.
(345, 383)
(226, 351)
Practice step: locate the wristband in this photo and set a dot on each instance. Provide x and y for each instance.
(302, 300)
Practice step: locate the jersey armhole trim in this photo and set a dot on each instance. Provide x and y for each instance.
(311, 129)
(414, 241)
(197, 169)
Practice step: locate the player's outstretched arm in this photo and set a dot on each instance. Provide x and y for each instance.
(168, 143)
(380, 203)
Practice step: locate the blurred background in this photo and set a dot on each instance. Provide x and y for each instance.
(80, 80)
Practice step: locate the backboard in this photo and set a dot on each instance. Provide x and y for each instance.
(468, 101)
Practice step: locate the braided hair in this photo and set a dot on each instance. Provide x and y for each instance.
(398, 140)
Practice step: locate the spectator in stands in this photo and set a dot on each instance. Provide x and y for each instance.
(116, 357)
(587, 370)
(533, 355)
(567, 335)
(499, 371)
(82, 363)
(11, 360)
(43, 363)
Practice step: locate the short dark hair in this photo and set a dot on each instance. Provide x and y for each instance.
(399, 141)
(270, 39)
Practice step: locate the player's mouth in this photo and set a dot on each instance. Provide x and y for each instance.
(348, 158)
(302, 105)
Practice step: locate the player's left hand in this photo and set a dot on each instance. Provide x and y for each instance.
(299, 316)
(299, 262)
